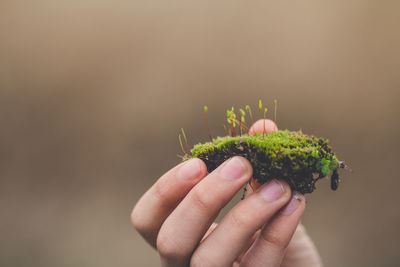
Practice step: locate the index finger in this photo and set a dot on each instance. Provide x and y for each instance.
(162, 198)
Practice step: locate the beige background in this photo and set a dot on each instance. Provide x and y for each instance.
(93, 93)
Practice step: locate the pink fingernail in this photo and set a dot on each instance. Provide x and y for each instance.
(190, 170)
(233, 169)
(273, 190)
(292, 205)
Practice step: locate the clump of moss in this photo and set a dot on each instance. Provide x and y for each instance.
(297, 158)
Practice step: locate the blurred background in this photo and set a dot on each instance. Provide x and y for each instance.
(93, 94)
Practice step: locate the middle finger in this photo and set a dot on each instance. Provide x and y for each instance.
(237, 228)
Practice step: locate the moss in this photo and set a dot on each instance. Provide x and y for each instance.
(297, 158)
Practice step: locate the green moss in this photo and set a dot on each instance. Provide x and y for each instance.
(297, 158)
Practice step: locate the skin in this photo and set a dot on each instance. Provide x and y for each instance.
(176, 217)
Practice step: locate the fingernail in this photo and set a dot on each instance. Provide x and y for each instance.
(190, 170)
(233, 169)
(273, 190)
(292, 205)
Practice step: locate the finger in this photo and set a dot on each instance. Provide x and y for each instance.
(301, 251)
(269, 248)
(268, 126)
(187, 224)
(159, 201)
(248, 245)
(210, 230)
(236, 229)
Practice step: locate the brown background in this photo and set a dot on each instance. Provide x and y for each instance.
(93, 94)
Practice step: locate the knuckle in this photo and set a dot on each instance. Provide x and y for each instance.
(168, 248)
(239, 220)
(160, 190)
(274, 240)
(203, 198)
(198, 260)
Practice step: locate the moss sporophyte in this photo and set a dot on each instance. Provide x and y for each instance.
(299, 159)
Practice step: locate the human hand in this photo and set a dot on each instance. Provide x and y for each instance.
(175, 216)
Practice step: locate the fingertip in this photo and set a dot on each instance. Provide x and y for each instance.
(245, 164)
(299, 196)
(302, 200)
(202, 166)
(249, 167)
(295, 205)
(245, 161)
(261, 126)
(285, 184)
(192, 169)
(286, 187)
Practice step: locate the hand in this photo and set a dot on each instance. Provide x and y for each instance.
(175, 216)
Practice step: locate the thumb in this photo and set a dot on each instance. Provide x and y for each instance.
(268, 126)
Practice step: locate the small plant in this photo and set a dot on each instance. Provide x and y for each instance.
(299, 159)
